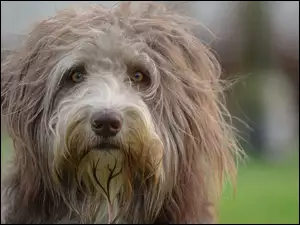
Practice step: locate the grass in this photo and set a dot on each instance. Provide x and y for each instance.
(266, 193)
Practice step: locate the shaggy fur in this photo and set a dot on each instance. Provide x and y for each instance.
(175, 147)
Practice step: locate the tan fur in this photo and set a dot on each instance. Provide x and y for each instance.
(178, 145)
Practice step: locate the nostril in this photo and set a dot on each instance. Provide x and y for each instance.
(115, 125)
(98, 125)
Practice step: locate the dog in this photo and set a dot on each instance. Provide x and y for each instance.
(116, 116)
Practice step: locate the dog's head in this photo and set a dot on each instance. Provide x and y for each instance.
(117, 102)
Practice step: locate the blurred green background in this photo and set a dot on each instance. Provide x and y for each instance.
(257, 44)
(266, 193)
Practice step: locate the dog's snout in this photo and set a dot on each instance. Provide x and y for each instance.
(106, 123)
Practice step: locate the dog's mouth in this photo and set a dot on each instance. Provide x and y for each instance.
(106, 146)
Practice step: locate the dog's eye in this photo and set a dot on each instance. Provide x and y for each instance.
(138, 77)
(76, 76)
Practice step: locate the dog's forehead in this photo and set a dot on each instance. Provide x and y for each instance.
(103, 45)
(99, 32)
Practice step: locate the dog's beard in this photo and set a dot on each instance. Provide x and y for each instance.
(112, 167)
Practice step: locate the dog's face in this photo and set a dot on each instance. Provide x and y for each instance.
(118, 99)
(104, 110)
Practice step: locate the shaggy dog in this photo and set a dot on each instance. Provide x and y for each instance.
(116, 117)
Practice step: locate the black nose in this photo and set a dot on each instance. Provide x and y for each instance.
(106, 123)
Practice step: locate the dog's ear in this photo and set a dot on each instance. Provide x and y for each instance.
(22, 85)
(23, 78)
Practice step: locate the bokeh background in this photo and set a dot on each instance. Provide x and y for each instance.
(257, 44)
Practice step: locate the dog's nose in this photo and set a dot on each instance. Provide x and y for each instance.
(106, 123)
